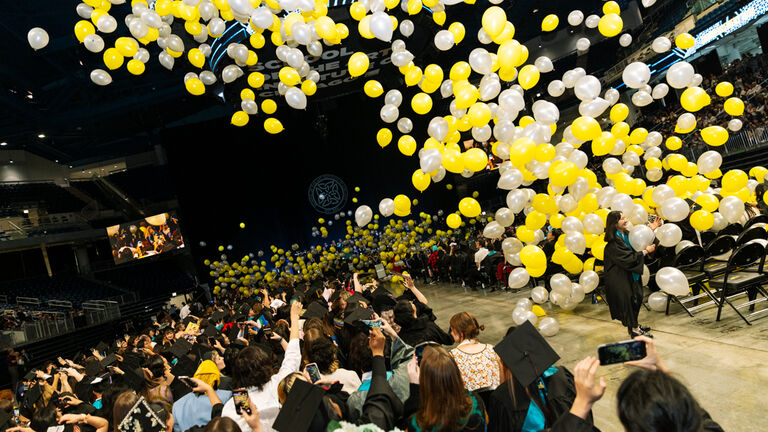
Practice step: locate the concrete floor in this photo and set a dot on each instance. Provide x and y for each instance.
(722, 363)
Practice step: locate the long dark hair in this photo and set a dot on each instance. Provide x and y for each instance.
(655, 401)
(610, 225)
(443, 399)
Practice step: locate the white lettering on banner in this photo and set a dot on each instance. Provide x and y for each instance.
(721, 29)
(331, 79)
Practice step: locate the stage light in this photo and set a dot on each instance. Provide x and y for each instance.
(3, 143)
(41, 135)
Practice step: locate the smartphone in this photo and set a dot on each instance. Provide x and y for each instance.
(314, 372)
(240, 396)
(621, 352)
(419, 351)
(372, 323)
(188, 382)
(261, 323)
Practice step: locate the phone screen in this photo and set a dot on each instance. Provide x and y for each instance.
(621, 352)
(314, 372)
(372, 323)
(241, 401)
(419, 350)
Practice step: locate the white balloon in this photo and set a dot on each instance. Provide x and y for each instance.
(734, 125)
(93, 43)
(480, 61)
(680, 75)
(556, 88)
(387, 207)
(106, 24)
(37, 38)
(381, 26)
(587, 88)
(676, 209)
(575, 18)
(389, 113)
(296, 98)
(444, 40)
(657, 301)
(625, 40)
(406, 28)
(405, 125)
(660, 91)
(636, 75)
(84, 10)
(363, 215)
(642, 98)
(669, 234)
(545, 112)
(518, 278)
(612, 96)
(589, 280)
(592, 21)
(686, 121)
(640, 237)
(393, 97)
(539, 294)
(101, 77)
(549, 326)
(544, 64)
(661, 44)
(582, 44)
(672, 281)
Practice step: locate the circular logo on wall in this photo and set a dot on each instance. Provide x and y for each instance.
(327, 194)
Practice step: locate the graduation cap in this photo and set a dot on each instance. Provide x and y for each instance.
(133, 378)
(131, 359)
(92, 368)
(180, 348)
(526, 354)
(210, 331)
(299, 408)
(184, 367)
(33, 395)
(141, 418)
(315, 310)
(102, 347)
(30, 376)
(200, 349)
(357, 297)
(357, 314)
(109, 360)
(336, 294)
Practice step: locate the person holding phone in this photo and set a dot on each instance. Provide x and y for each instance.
(623, 268)
(195, 408)
(252, 370)
(649, 399)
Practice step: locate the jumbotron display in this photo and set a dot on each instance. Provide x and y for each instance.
(145, 237)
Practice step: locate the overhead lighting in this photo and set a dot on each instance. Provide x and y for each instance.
(535, 10)
(11, 161)
(41, 135)
(26, 211)
(3, 143)
(57, 161)
(30, 96)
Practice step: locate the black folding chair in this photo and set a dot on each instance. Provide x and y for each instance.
(732, 229)
(716, 262)
(688, 260)
(753, 233)
(759, 219)
(736, 280)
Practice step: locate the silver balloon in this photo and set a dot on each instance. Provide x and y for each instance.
(430, 160)
(208, 78)
(734, 125)
(669, 234)
(575, 18)
(406, 28)
(363, 215)
(84, 10)
(636, 75)
(582, 44)
(731, 208)
(166, 60)
(589, 281)
(101, 77)
(680, 75)
(480, 61)
(393, 97)
(640, 237)
(625, 40)
(37, 38)
(548, 326)
(504, 217)
(493, 230)
(438, 128)
(556, 88)
(94, 43)
(660, 91)
(387, 207)
(672, 281)
(405, 125)
(381, 26)
(444, 40)
(106, 24)
(593, 224)
(389, 113)
(576, 242)
(587, 88)
(661, 44)
(249, 106)
(592, 21)
(544, 64)
(657, 301)
(539, 295)
(676, 209)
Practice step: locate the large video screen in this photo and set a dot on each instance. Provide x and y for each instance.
(145, 238)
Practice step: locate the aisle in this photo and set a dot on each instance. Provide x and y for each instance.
(719, 362)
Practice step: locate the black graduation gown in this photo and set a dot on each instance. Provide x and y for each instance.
(624, 295)
(504, 415)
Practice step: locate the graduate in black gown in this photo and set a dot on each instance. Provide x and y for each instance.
(623, 268)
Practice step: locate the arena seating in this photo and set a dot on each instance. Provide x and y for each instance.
(47, 196)
(74, 289)
(149, 280)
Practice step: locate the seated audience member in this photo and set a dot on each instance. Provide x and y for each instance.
(416, 320)
(194, 409)
(253, 371)
(443, 401)
(534, 394)
(478, 362)
(649, 400)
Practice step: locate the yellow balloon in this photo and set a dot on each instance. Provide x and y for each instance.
(619, 112)
(735, 180)
(256, 79)
(84, 28)
(402, 204)
(603, 144)
(535, 220)
(273, 126)
(268, 106)
(195, 86)
(257, 40)
(611, 7)
(384, 137)
(373, 88)
(239, 118)
(479, 114)
(550, 23)
(326, 28)
(309, 87)
(453, 220)
(694, 99)
(585, 128)
(610, 25)
(358, 64)
(112, 58)
(507, 34)
(714, 135)
(413, 76)
(685, 41)
(724, 89)
(469, 207)
(459, 71)
(563, 173)
(674, 143)
(127, 46)
(136, 67)
(533, 256)
(439, 18)
(196, 58)
(545, 152)
(289, 76)
(509, 54)
(458, 31)
(247, 93)
(475, 159)
(420, 180)
(493, 21)
(528, 77)
(734, 106)
(453, 161)
(407, 145)
(702, 220)
(413, 7)
(522, 151)
(708, 202)
(421, 103)
(357, 11)
(434, 73)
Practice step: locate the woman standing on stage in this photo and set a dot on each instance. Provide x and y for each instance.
(623, 268)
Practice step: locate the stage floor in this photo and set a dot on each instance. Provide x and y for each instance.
(722, 363)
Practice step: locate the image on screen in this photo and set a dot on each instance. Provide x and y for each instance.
(145, 238)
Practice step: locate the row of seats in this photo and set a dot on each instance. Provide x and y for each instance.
(728, 266)
(74, 289)
(46, 196)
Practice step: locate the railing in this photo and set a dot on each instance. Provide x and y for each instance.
(742, 141)
(97, 312)
(60, 304)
